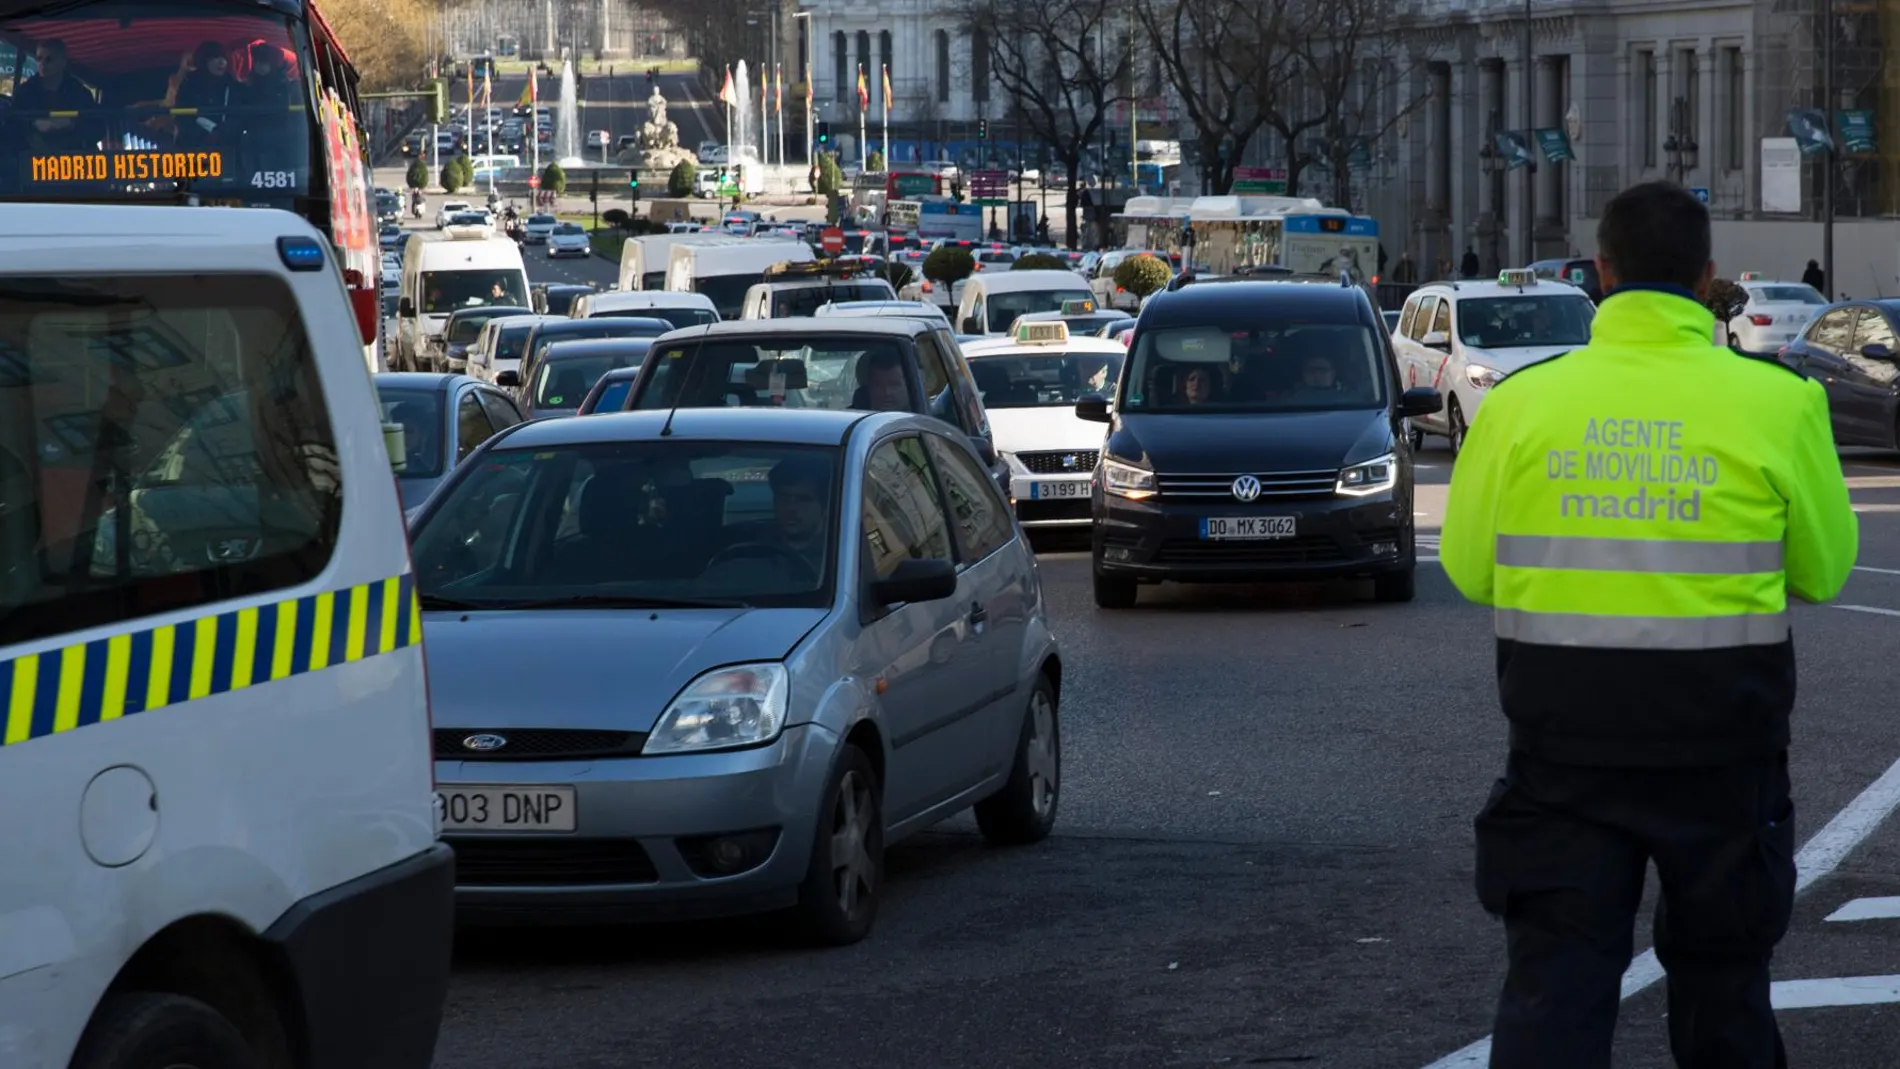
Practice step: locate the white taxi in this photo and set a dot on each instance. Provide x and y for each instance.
(1775, 314)
(1030, 380)
(1462, 338)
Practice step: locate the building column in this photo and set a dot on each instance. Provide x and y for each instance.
(1438, 142)
(1751, 151)
(1550, 116)
(1707, 165)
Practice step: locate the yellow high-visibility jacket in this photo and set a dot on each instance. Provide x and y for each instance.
(1637, 512)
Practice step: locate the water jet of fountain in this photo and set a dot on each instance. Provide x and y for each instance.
(741, 115)
(567, 131)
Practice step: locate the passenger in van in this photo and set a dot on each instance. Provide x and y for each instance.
(881, 385)
(210, 89)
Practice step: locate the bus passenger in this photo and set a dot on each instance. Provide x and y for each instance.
(209, 89)
(48, 91)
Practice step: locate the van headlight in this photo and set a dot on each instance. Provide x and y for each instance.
(1481, 377)
(1127, 480)
(740, 705)
(1374, 476)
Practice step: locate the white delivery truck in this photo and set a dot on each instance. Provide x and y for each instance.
(726, 270)
(215, 748)
(458, 268)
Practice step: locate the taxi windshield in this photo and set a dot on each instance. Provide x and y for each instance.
(1522, 321)
(153, 100)
(445, 291)
(714, 523)
(1043, 380)
(1256, 366)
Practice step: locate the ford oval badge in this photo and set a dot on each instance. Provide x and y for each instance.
(484, 743)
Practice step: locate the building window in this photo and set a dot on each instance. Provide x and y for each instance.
(1691, 94)
(840, 68)
(1736, 135)
(979, 66)
(1646, 123)
(943, 66)
(864, 58)
(804, 31)
(883, 56)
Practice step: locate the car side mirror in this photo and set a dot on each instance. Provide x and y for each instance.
(510, 378)
(1092, 407)
(1436, 339)
(1877, 351)
(1420, 401)
(406, 307)
(917, 581)
(395, 442)
(972, 325)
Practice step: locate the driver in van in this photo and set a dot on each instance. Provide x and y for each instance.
(1197, 386)
(1318, 377)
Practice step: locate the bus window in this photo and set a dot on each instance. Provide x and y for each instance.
(130, 71)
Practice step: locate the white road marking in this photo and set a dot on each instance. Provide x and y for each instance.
(1867, 909)
(1835, 991)
(1867, 609)
(1820, 856)
(1876, 508)
(1877, 571)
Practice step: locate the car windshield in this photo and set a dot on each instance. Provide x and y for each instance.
(541, 220)
(445, 291)
(113, 100)
(1256, 366)
(806, 300)
(664, 523)
(569, 230)
(468, 219)
(562, 382)
(780, 371)
(679, 317)
(1005, 307)
(1037, 380)
(467, 326)
(1518, 321)
(1786, 295)
(420, 413)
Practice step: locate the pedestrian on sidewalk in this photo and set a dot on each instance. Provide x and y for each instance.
(1645, 661)
(1406, 272)
(1815, 277)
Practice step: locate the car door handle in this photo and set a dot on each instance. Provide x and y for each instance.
(979, 613)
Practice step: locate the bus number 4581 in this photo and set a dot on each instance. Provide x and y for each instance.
(274, 179)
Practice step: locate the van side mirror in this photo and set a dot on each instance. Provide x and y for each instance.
(511, 378)
(1093, 407)
(406, 307)
(1420, 401)
(917, 581)
(1436, 339)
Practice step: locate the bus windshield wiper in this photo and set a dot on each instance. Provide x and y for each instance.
(623, 601)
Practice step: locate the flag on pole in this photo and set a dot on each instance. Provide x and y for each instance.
(778, 89)
(808, 94)
(725, 91)
(887, 87)
(488, 89)
(864, 93)
(471, 88)
(527, 92)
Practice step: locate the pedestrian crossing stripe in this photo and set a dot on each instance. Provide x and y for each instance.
(109, 678)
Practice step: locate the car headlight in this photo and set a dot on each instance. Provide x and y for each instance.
(1127, 480)
(741, 705)
(1481, 377)
(1374, 476)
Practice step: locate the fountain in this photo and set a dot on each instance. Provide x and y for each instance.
(567, 123)
(740, 148)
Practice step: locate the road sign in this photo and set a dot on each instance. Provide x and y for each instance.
(831, 240)
(534, 181)
(1700, 193)
(1268, 181)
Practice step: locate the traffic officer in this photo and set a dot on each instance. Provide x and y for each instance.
(1638, 511)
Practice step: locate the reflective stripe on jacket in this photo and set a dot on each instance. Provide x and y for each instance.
(1638, 512)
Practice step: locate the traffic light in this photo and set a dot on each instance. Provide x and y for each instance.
(633, 185)
(438, 101)
(824, 133)
(982, 129)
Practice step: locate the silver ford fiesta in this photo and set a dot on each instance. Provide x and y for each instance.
(714, 661)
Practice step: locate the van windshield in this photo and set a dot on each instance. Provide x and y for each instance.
(1256, 366)
(806, 300)
(445, 291)
(1005, 307)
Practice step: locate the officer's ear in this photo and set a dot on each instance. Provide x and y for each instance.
(1606, 275)
(1708, 277)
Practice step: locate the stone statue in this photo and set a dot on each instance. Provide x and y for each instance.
(659, 139)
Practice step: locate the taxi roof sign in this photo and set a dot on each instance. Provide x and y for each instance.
(1750, 276)
(1080, 306)
(1049, 332)
(1517, 276)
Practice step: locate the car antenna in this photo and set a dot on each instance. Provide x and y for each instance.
(666, 429)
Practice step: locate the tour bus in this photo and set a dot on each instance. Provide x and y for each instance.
(1233, 235)
(132, 127)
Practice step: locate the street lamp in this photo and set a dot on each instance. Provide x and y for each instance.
(1492, 161)
(1680, 145)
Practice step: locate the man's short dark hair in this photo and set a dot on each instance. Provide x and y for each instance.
(1655, 233)
(800, 470)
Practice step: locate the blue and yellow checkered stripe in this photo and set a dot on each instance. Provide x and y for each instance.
(95, 682)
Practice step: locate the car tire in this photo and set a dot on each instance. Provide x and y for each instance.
(1024, 811)
(1114, 591)
(146, 1030)
(837, 903)
(1455, 425)
(1396, 586)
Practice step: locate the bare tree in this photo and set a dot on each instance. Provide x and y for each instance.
(1226, 61)
(1351, 83)
(1064, 65)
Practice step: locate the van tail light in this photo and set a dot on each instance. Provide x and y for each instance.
(1761, 320)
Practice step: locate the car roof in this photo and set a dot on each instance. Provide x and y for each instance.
(419, 380)
(492, 311)
(1012, 281)
(558, 325)
(784, 426)
(1083, 344)
(596, 347)
(886, 326)
(1466, 288)
(650, 299)
(1193, 304)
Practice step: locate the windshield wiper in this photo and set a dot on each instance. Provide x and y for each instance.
(623, 601)
(437, 601)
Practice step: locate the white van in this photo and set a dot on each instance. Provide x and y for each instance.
(991, 301)
(725, 270)
(679, 309)
(215, 744)
(444, 272)
(643, 260)
(800, 289)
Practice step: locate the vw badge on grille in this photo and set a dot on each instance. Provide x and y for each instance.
(1246, 488)
(1069, 461)
(484, 743)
